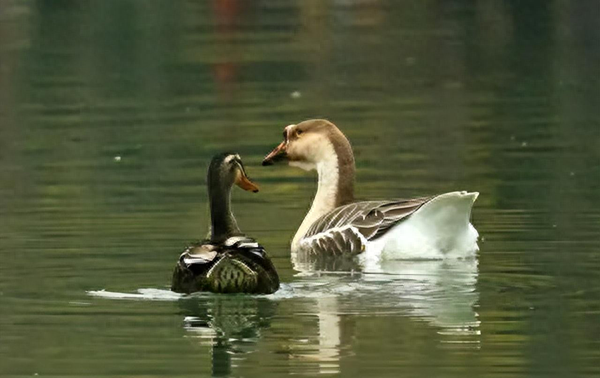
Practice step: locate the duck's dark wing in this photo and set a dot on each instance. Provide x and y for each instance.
(249, 257)
(238, 264)
(203, 255)
(198, 258)
(245, 246)
(348, 228)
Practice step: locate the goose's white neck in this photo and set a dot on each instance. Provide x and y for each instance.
(327, 193)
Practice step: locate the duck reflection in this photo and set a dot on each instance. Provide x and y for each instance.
(230, 325)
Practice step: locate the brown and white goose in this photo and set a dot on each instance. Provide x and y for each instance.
(430, 227)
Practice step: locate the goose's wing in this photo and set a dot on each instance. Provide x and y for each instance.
(348, 228)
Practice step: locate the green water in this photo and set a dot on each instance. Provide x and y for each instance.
(110, 111)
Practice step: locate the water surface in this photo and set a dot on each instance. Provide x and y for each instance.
(111, 110)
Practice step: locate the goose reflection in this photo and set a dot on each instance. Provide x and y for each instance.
(230, 326)
(441, 292)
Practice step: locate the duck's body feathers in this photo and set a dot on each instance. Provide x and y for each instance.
(239, 264)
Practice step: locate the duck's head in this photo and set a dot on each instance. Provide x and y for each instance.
(309, 143)
(227, 169)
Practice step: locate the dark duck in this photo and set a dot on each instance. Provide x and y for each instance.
(229, 261)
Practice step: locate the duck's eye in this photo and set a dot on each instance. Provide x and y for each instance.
(230, 160)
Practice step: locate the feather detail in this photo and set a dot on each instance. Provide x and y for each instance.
(347, 229)
(335, 241)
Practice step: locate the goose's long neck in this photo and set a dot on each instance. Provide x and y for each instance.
(223, 224)
(336, 186)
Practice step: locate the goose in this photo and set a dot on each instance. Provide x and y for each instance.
(430, 227)
(227, 261)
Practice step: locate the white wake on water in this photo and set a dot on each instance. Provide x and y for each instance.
(286, 291)
(142, 294)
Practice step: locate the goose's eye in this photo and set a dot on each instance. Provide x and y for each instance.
(299, 132)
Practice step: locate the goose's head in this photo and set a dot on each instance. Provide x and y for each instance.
(227, 169)
(309, 143)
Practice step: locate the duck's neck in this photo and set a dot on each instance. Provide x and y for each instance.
(336, 187)
(223, 224)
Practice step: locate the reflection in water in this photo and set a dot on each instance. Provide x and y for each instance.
(329, 335)
(306, 263)
(230, 325)
(444, 291)
(317, 304)
(441, 292)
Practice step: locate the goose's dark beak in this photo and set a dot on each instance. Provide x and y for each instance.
(278, 154)
(244, 182)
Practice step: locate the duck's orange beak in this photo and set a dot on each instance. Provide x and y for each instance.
(279, 153)
(244, 182)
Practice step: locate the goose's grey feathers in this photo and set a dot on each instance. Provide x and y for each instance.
(346, 229)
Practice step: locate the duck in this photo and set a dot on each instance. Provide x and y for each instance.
(428, 227)
(227, 261)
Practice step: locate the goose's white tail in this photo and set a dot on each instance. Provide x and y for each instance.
(440, 229)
